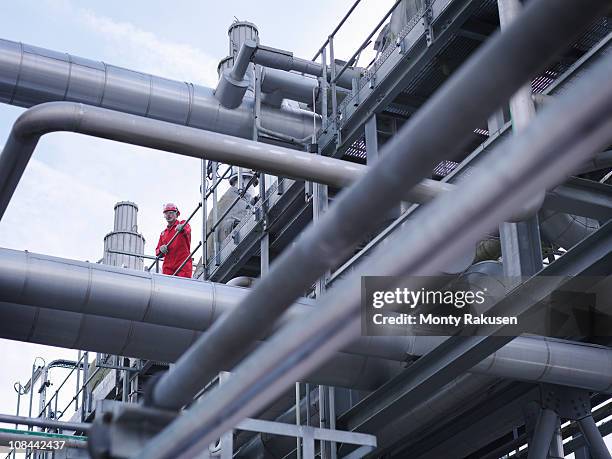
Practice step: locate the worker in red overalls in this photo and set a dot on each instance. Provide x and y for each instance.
(180, 249)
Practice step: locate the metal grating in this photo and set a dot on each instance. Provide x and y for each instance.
(357, 150)
(444, 168)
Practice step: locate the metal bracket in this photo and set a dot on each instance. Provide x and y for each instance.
(567, 402)
(428, 22)
(121, 430)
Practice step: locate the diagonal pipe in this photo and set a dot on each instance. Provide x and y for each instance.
(569, 132)
(484, 83)
(136, 130)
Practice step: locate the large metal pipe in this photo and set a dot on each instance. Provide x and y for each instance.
(576, 127)
(41, 422)
(284, 60)
(479, 87)
(161, 135)
(161, 343)
(289, 85)
(30, 75)
(96, 293)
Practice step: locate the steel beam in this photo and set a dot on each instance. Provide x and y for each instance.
(581, 197)
(581, 130)
(543, 434)
(489, 77)
(594, 439)
(457, 354)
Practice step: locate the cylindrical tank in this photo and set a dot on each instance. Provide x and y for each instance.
(240, 31)
(225, 64)
(240, 211)
(124, 238)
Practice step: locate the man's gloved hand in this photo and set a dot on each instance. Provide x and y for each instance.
(180, 227)
(164, 249)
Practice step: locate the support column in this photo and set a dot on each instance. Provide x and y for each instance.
(543, 434)
(203, 188)
(520, 242)
(264, 243)
(371, 140)
(556, 445)
(582, 453)
(597, 446)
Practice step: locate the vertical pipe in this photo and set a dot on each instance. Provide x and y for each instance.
(520, 242)
(556, 445)
(334, 101)
(592, 435)
(324, 85)
(322, 420)
(125, 383)
(55, 415)
(204, 217)
(264, 243)
(371, 140)
(78, 381)
(17, 414)
(215, 215)
(308, 404)
(84, 394)
(543, 434)
(31, 392)
(332, 418)
(298, 397)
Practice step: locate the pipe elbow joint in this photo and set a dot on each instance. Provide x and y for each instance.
(48, 117)
(230, 92)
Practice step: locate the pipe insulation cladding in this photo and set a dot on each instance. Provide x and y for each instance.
(30, 75)
(140, 314)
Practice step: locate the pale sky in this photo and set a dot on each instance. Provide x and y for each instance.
(64, 203)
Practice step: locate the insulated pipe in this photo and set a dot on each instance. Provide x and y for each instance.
(30, 76)
(284, 60)
(41, 422)
(571, 130)
(242, 281)
(289, 85)
(95, 294)
(232, 84)
(485, 82)
(566, 230)
(601, 161)
(197, 143)
(154, 342)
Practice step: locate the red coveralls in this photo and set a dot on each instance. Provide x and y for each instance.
(177, 251)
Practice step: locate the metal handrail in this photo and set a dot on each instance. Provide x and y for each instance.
(187, 259)
(340, 24)
(85, 383)
(77, 366)
(228, 210)
(366, 41)
(216, 184)
(129, 254)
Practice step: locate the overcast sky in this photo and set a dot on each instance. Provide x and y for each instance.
(64, 203)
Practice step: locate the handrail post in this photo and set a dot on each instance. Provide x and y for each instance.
(334, 100)
(204, 215)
